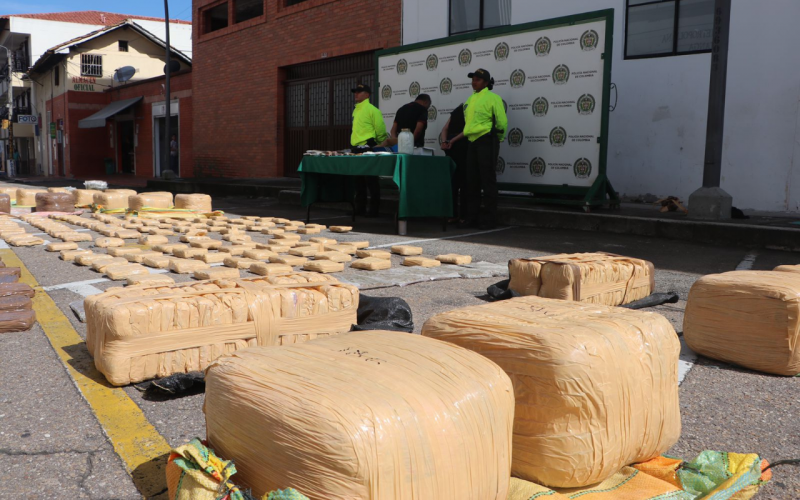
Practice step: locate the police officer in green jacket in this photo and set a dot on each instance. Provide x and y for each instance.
(369, 129)
(485, 127)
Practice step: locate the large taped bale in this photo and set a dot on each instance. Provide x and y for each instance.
(55, 202)
(27, 197)
(368, 415)
(141, 333)
(150, 200)
(84, 197)
(5, 203)
(126, 192)
(111, 200)
(596, 386)
(749, 318)
(10, 191)
(596, 278)
(196, 202)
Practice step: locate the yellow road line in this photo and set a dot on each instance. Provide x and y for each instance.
(142, 449)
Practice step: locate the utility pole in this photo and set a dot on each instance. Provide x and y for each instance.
(710, 201)
(10, 79)
(168, 108)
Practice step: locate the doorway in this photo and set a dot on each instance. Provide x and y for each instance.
(161, 145)
(127, 148)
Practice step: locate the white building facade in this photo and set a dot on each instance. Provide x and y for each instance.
(661, 66)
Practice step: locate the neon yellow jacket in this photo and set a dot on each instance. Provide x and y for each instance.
(367, 124)
(478, 112)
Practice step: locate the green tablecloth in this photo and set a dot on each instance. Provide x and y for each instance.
(424, 181)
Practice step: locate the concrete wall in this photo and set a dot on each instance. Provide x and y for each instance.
(657, 132)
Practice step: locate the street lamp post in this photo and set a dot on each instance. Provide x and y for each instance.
(168, 108)
(10, 110)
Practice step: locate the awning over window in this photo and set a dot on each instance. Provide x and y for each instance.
(99, 119)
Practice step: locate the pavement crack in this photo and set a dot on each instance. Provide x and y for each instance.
(88, 472)
(12, 453)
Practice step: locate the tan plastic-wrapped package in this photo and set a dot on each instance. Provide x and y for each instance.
(255, 254)
(196, 202)
(309, 230)
(323, 240)
(86, 259)
(150, 200)
(156, 240)
(304, 251)
(235, 250)
(787, 269)
(454, 258)
(334, 256)
(110, 200)
(238, 262)
(216, 273)
(100, 265)
(290, 260)
(413, 418)
(54, 202)
(169, 247)
(75, 236)
(749, 318)
(70, 255)
(207, 244)
(378, 254)
(596, 278)
(126, 234)
(596, 386)
(323, 266)
(109, 242)
(342, 248)
(158, 261)
(138, 258)
(371, 264)
(125, 271)
(189, 253)
(421, 262)
(406, 250)
(213, 257)
(10, 191)
(267, 269)
(24, 240)
(150, 280)
(84, 197)
(145, 332)
(341, 229)
(5, 203)
(123, 251)
(27, 197)
(57, 247)
(186, 266)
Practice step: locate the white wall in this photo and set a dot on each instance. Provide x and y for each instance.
(657, 132)
(180, 35)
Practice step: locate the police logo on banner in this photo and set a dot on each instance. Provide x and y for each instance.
(589, 40)
(414, 89)
(542, 46)
(446, 86)
(501, 51)
(582, 168)
(558, 137)
(515, 137)
(432, 113)
(540, 107)
(561, 74)
(517, 79)
(386, 92)
(432, 62)
(402, 67)
(538, 167)
(501, 165)
(586, 104)
(464, 57)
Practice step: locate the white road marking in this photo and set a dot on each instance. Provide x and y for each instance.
(442, 238)
(747, 263)
(3, 244)
(82, 288)
(685, 361)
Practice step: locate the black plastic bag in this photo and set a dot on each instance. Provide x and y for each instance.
(175, 385)
(654, 299)
(500, 291)
(384, 313)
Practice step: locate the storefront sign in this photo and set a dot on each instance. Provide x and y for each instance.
(551, 80)
(53, 130)
(27, 119)
(84, 84)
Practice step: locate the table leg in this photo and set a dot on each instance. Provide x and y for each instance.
(308, 215)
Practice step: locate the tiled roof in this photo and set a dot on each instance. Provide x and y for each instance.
(94, 17)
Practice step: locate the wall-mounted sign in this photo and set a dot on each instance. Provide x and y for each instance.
(84, 84)
(28, 119)
(53, 130)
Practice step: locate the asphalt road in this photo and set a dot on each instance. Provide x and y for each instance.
(52, 446)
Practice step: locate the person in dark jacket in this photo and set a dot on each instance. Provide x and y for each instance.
(455, 145)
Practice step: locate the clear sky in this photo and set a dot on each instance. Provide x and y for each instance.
(178, 9)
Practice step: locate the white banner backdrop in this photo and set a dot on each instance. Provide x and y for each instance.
(550, 79)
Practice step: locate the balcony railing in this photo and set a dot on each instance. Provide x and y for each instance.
(22, 110)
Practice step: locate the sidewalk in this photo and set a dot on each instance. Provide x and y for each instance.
(114, 181)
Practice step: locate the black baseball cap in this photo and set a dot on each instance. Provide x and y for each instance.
(482, 74)
(362, 88)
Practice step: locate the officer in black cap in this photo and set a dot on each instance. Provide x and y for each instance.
(369, 129)
(485, 125)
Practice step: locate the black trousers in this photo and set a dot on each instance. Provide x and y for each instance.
(481, 176)
(365, 184)
(458, 153)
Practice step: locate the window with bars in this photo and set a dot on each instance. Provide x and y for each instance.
(91, 65)
(658, 28)
(473, 15)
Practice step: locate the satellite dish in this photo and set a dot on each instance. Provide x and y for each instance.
(174, 66)
(124, 74)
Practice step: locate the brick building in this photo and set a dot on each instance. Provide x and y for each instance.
(272, 78)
